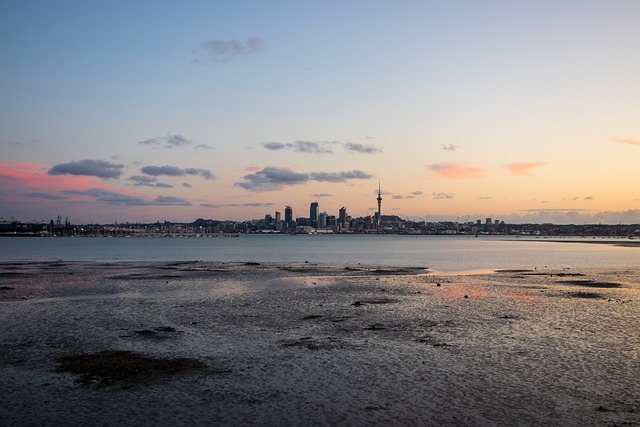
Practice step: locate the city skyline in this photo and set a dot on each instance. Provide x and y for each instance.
(525, 112)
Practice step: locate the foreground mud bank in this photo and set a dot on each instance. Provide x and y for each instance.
(289, 344)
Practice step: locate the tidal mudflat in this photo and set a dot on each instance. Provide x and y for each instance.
(204, 343)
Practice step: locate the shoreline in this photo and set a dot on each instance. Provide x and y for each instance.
(617, 241)
(625, 244)
(315, 344)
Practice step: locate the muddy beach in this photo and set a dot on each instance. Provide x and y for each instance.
(203, 343)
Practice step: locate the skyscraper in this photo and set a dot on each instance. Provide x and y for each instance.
(288, 217)
(313, 214)
(278, 221)
(342, 218)
(322, 220)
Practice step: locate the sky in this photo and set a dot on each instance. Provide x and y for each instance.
(145, 111)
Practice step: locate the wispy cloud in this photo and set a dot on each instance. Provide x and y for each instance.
(143, 180)
(523, 168)
(338, 176)
(457, 171)
(176, 171)
(148, 181)
(449, 147)
(162, 170)
(310, 147)
(115, 198)
(321, 147)
(412, 195)
(236, 205)
(171, 201)
(576, 198)
(275, 146)
(169, 141)
(86, 167)
(221, 51)
(626, 140)
(361, 148)
(442, 195)
(321, 195)
(313, 147)
(274, 178)
(46, 196)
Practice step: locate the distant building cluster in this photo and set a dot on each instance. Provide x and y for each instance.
(322, 222)
(389, 224)
(315, 223)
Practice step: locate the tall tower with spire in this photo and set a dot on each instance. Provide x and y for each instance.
(379, 215)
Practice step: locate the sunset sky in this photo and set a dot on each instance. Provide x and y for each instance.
(522, 111)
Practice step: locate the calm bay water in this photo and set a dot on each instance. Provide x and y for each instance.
(441, 253)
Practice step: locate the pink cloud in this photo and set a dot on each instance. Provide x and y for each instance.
(523, 168)
(19, 170)
(458, 171)
(28, 176)
(626, 140)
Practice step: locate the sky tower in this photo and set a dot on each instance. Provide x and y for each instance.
(379, 215)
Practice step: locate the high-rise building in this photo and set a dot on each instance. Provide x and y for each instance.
(313, 213)
(342, 217)
(288, 217)
(322, 220)
(278, 221)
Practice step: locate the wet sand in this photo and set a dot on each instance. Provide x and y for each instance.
(198, 343)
